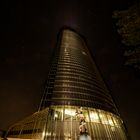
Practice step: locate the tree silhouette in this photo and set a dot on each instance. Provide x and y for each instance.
(128, 26)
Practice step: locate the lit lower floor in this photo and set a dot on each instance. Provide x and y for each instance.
(69, 123)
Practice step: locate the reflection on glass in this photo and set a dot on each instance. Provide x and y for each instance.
(70, 122)
(94, 117)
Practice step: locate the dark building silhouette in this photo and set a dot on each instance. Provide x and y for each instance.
(76, 103)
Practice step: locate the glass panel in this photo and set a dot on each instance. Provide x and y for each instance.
(70, 123)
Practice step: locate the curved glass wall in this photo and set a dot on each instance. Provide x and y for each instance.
(73, 78)
(76, 104)
(70, 123)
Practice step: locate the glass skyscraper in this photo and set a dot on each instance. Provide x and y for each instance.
(76, 104)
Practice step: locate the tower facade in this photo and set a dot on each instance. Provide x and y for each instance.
(76, 103)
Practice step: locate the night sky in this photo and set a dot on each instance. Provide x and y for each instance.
(29, 31)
